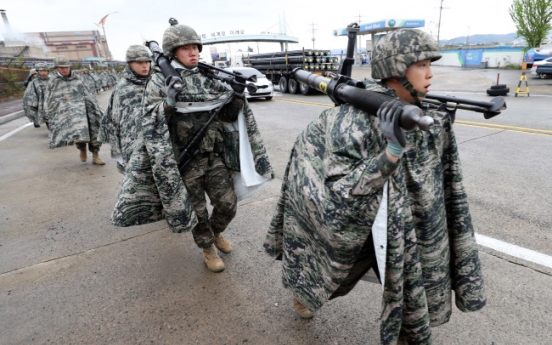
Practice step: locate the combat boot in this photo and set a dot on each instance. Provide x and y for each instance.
(96, 159)
(83, 155)
(303, 311)
(212, 260)
(222, 243)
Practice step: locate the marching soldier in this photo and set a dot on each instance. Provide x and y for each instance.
(74, 116)
(354, 181)
(120, 125)
(33, 99)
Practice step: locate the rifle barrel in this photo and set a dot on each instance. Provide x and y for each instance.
(497, 103)
(368, 101)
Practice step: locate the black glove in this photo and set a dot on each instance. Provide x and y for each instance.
(389, 114)
(238, 83)
(238, 87)
(170, 83)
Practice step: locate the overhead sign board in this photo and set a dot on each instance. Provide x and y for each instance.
(383, 26)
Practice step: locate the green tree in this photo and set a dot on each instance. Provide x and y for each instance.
(532, 19)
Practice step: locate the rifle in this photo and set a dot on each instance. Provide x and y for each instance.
(343, 89)
(192, 148)
(230, 78)
(451, 104)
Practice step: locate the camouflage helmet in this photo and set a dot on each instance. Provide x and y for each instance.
(137, 53)
(32, 71)
(399, 49)
(41, 66)
(61, 61)
(179, 35)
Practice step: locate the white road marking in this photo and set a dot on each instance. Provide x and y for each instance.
(9, 134)
(513, 250)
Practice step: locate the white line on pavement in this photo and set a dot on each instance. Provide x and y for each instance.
(9, 134)
(515, 251)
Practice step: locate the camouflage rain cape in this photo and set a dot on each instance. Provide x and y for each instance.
(33, 100)
(152, 186)
(121, 123)
(73, 114)
(331, 193)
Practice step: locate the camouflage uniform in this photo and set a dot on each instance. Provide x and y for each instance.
(208, 171)
(120, 124)
(89, 82)
(152, 186)
(97, 81)
(74, 116)
(331, 193)
(33, 100)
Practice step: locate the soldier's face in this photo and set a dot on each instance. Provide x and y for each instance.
(419, 75)
(188, 55)
(140, 67)
(64, 71)
(43, 74)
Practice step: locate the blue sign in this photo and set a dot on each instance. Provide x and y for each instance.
(383, 25)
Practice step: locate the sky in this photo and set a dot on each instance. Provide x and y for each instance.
(132, 21)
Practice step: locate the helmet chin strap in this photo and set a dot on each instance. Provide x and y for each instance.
(182, 64)
(413, 92)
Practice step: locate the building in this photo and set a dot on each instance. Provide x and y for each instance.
(75, 45)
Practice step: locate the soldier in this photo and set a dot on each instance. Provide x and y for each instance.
(32, 75)
(175, 116)
(74, 116)
(353, 178)
(33, 99)
(121, 122)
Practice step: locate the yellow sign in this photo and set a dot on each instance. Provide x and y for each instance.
(323, 87)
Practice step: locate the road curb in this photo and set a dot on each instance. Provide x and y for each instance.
(10, 117)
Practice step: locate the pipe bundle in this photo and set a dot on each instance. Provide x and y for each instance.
(307, 59)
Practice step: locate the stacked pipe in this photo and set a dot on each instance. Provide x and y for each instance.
(307, 59)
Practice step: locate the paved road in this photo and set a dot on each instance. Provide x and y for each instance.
(69, 277)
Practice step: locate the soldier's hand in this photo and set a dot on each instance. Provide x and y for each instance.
(238, 87)
(172, 89)
(389, 114)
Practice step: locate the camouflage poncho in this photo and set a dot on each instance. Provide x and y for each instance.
(121, 123)
(152, 186)
(74, 116)
(33, 100)
(331, 193)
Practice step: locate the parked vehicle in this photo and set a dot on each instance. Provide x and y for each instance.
(542, 68)
(265, 88)
(535, 55)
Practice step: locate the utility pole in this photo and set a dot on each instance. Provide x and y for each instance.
(439, 25)
(359, 37)
(313, 39)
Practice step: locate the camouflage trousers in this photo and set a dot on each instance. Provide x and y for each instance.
(202, 176)
(92, 146)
